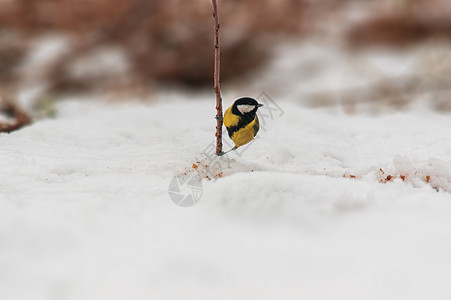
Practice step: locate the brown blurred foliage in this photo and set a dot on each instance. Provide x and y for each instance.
(168, 40)
(172, 40)
(403, 23)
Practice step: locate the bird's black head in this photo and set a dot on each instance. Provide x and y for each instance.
(245, 105)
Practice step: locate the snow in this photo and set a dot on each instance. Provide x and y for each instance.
(94, 65)
(305, 211)
(319, 72)
(44, 52)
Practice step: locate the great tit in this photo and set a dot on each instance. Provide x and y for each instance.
(241, 121)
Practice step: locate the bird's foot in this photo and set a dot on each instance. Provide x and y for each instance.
(219, 118)
(222, 153)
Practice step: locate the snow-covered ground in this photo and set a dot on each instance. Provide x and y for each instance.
(323, 205)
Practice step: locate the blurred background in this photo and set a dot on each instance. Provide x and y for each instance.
(371, 55)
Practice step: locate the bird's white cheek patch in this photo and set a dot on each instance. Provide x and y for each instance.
(245, 108)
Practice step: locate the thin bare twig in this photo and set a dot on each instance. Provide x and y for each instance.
(19, 116)
(217, 82)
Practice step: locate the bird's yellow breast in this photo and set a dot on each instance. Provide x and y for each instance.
(244, 134)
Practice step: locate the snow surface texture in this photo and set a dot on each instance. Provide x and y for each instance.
(307, 211)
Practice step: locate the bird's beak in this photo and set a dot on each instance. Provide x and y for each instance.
(259, 105)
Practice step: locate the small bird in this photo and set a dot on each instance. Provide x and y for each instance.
(241, 121)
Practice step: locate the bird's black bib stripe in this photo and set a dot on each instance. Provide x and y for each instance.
(245, 120)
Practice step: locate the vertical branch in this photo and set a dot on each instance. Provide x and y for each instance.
(217, 82)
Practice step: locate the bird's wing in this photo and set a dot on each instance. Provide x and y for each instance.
(256, 125)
